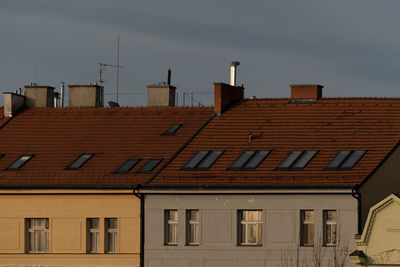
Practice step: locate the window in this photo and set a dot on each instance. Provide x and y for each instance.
(171, 227)
(306, 227)
(192, 227)
(296, 160)
(127, 166)
(93, 235)
(330, 227)
(202, 160)
(16, 165)
(149, 166)
(251, 225)
(111, 232)
(78, 163)
(345, 160)
(249, 160)
(37, 235)
(172, 130)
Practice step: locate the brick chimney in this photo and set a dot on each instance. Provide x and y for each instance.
(225, 94)
(12, 103)
(305, 93)
(39, 96)
(161, 95)
(89, 95)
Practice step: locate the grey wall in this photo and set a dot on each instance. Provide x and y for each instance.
(218, 228)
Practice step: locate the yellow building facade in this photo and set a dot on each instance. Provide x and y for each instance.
(69, 227)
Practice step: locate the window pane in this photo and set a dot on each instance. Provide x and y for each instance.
(172, 129)
(335, 163)
(111, 235)
(290, 159)
(173, 215)
(171, 221)
(112, 223)
(256, 159)
(38, 231)
(128, 165)
(80, 161)
(304, 159)
(192, 227)
(93, 231)
(308, 234)
(19, 162)
(251, 223)
(307, 227)
(150, 165)
(243, 158)
(330, 226)
(196, 159)
(209, 160)
(352, 159)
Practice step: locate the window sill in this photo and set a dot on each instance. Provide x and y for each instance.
(249, 245)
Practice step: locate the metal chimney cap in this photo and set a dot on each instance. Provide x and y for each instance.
(235, 63)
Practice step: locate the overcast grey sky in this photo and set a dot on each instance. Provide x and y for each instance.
(349, 46)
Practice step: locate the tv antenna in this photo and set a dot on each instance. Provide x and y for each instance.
(103, 66)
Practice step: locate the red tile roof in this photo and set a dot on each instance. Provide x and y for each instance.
(57, 136)
(328, 125)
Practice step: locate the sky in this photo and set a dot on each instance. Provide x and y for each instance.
(351, 47)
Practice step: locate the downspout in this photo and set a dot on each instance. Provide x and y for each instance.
(141, 253)
(357, 195)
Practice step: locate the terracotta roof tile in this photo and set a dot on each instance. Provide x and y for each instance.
(328, 125)
(57, 136)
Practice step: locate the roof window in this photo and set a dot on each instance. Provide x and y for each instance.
(345, 160)
(296, 160)
(78, 163)
(149, 166)
(249, 160)
(202, 160)
(127, 166)
(172, 130)
(16, 165)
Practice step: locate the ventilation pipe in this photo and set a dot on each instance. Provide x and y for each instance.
(62, 89)
(234, 64)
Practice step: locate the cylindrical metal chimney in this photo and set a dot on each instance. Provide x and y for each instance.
(234, 64)
(169, 77)
(56, 95)
(62, 94)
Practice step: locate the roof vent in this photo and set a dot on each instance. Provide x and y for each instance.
(305, 93)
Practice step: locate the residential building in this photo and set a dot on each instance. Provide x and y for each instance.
(269, 182)
(69, 175)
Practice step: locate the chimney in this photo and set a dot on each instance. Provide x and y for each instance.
(161, 95)
(305, 93)
(234, 64)
(12, 103)
(39, 96)
(90, 95)
(225, 94)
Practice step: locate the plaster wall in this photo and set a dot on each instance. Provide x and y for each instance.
(67, 213)
(219, 231)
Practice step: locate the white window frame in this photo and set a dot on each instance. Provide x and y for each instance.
(111, 231)
(168, 222)
(243, 226)
(330, 223)
(34, 232)
(93, 232)
(303, 223)
(192, 224)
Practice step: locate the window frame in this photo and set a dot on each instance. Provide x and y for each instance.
(147, 162)
(167, 222)
(118, 171)
(20, 166)
(32, 230)
(302, 224)
(192, 223)
(114, 231)
(70, 168)
(244, 165)
(298, 158)
(197, 167)
(240, 222)
(325, 225)
(89, 231)
(339, 166)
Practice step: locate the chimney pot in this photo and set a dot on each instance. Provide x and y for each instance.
(305, 93)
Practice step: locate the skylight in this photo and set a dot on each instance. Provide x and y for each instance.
(16, 165)
(249, 160)
(296, 160)
(172, 130)
(149, 165)
(202, 160)
(345, 160)
(78, 163)
(127, 166)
